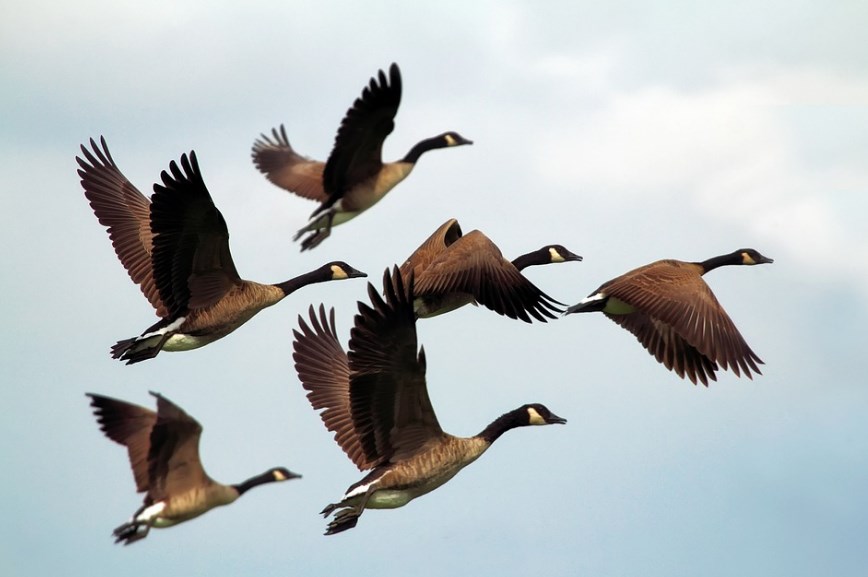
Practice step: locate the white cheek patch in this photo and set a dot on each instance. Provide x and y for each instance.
(338, 273)
(555, 255)
(534, 418)
(450, 141)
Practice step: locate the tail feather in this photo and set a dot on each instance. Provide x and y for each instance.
(139, 349)
(130, 532)
(587, 306)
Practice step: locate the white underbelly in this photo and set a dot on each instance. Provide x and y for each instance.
(389, 499)
(182, 342)
(394, 498)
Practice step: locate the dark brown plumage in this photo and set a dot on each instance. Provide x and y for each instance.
(176, 248)
(452, 270)
(163, 449)
(376, 402)
(354, 177)
(673, 313)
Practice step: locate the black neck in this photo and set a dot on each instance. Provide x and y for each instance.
(503, 423)
(722, 260)
(531, 259)
(244, 486)
(290, 286)
(422, 147)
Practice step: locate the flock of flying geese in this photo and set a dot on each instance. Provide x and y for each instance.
(374, 397)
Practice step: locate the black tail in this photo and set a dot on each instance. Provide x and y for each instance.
(588, 307)
(130, 532)
(137, 349)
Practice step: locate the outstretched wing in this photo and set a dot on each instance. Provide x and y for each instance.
(193, 267)
(683, 316)
(125, 212)
(129, 425)
(173, 461)
(324, 372)
(357, 152)
(440, 240)
(275, 158)
(474, 265)
(389, 401)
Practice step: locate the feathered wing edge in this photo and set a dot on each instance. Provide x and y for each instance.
(323, 370)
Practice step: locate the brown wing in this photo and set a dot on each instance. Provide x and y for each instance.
(391, 410)
(129, 425)
(357, 152)
(323, 370)
(173, 461)
(275, 158)
(473, 264)
(446, 234)
(125, 211)
(674, 295)
(668, 347)
(193, 267)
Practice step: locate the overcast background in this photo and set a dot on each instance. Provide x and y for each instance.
(624, 131)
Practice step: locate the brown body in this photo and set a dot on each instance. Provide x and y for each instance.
(176, 248)
(674, 314)
(452, 269)
(376, 402)
(355, 177)
(163, 449)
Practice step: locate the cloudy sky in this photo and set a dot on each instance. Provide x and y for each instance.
(626, 132)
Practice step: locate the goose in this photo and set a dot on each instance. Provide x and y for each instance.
(671, 310)
(175, 246)
(163, 449)
(376, 402)
(354, 178)
(452, 270)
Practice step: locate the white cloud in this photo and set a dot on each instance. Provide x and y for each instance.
(730, 151)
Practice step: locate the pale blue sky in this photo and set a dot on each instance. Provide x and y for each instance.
(624, 131)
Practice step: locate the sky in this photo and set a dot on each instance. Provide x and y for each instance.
(625, 131)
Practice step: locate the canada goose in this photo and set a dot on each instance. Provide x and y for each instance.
(452, 270)
(674, 314)
(163, 449)
(176, 249)
(354, 178)
(376, 401)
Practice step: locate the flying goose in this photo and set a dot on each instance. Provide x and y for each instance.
(176, 248)
(354, 178)
(375, 400)
(452, 270)
(163, 449)
(673, 313)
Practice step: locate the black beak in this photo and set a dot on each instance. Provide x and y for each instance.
(556, 420)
